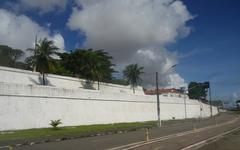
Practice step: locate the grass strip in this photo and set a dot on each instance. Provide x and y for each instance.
(82, 131)
(77, 131)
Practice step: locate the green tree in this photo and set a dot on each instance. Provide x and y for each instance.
(132, 74)
(99, 66)
(238, 104)
(9, 57)
(42, 57)
(89, 64)
(59, 69)
(197, 91)
(72, 62)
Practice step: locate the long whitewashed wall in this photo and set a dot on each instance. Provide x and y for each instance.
(11, 75)
(25, 104)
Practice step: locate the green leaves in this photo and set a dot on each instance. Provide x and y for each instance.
(42, 57)
(55, 123)
(89, 64)
(9, 56)
(197, 90)
(132, 75)
(92, 65)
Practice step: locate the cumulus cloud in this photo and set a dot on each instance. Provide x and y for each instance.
(19, 31)
(134, 31)
(43, 6)
(58, 41)
(161, 60)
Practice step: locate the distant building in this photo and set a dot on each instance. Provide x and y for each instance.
(166, 92)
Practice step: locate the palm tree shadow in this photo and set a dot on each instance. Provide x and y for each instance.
(40, 81)
(88, 85)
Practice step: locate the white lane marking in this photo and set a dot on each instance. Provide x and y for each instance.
(209, 140)
(143, 143)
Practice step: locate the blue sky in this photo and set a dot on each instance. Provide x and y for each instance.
(210, 52)
(215, 40)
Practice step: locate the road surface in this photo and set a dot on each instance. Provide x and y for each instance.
(230, 142)
(168, 136)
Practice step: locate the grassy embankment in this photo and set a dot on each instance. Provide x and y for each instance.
(78, 131)
(82, 131)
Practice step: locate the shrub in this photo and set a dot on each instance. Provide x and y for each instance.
(55, 123)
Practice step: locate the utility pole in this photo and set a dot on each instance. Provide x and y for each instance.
(185, 104)
(158, 102)
(184, 92)
(210, 99)
(35, 45)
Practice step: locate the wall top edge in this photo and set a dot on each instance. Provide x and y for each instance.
(24, 86)
(49, 88)
(3, 68)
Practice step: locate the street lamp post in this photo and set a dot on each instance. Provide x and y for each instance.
(35, 46)
(185, 104)
(185, 92)
(210, 99)
(158, 103)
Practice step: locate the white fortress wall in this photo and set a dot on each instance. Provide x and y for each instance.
(12, 75)
(24, 105)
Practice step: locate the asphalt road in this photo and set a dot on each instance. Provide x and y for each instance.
(181, 142)
(111, 141)
(230, 142)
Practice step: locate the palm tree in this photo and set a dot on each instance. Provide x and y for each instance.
(132, 74)
(92, 65)
(97, 66)
(42, 58)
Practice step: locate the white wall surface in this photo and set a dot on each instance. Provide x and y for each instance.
(12, 75)
(25, 106)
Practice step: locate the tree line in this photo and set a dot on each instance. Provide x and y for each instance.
(198, 91)
(89, 64)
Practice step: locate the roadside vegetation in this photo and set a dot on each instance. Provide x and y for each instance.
(78, 131)
(84, 130)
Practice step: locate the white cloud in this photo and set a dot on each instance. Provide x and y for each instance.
(127, 28)
(19, 31)
(43, 5)
(58, 41)
(175, 80)
(236, 95)
(154, 59)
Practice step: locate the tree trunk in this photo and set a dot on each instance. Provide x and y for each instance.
(98, 85)
(34, 68)
(43, 79)
(133, 89)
